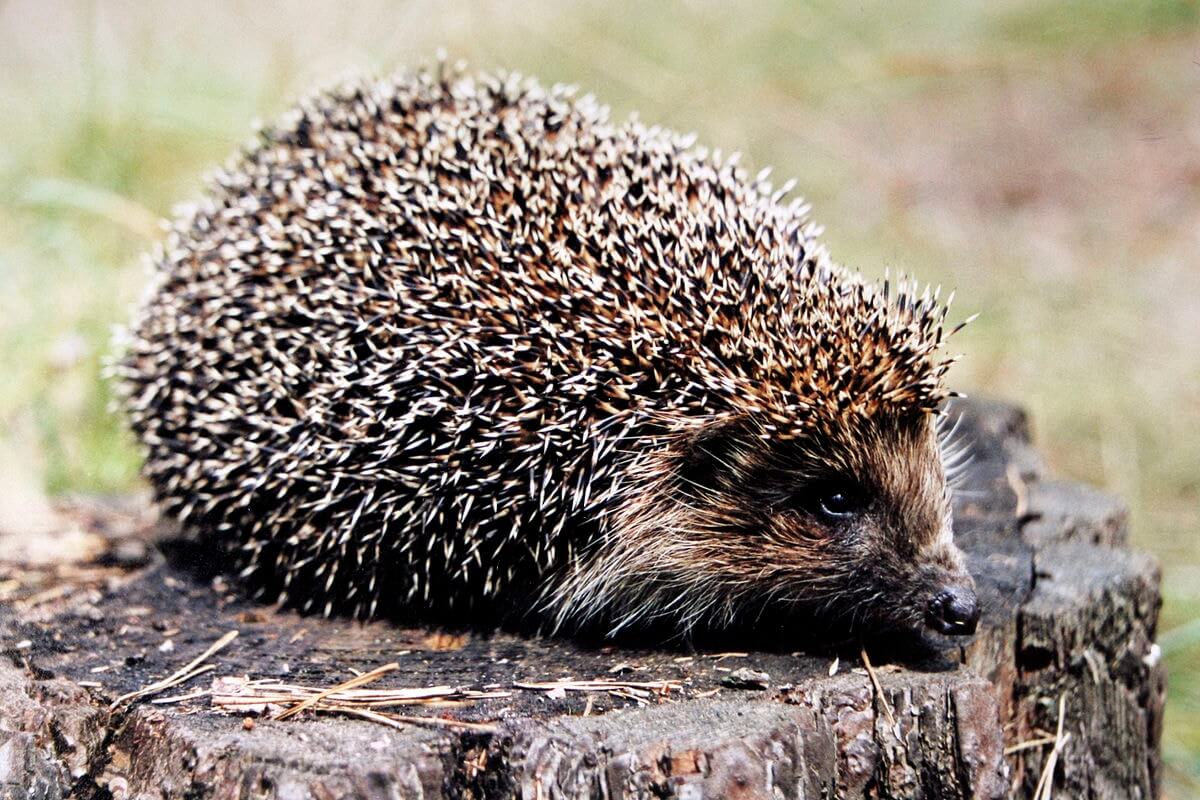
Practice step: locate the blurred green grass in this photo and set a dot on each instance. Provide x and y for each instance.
(1043, 158)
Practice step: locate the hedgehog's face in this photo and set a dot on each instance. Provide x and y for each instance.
(849, 528)
(862, 515)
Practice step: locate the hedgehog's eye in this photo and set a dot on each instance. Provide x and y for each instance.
(839, 503)
(833, 502)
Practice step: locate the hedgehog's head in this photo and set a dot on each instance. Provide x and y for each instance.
(819, 492)
(846, 527)
(848, 523)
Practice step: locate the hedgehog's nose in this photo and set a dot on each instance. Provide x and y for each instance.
(954, 611)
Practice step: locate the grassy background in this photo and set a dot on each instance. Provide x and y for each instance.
(1042, 158)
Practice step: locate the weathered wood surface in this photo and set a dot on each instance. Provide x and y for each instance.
(1069, 623)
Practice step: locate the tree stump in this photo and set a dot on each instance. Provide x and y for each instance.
(1063, 682)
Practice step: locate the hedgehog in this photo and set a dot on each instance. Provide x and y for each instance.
(459, 348)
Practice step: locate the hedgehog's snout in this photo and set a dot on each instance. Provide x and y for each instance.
(951, 605)
(954, 610)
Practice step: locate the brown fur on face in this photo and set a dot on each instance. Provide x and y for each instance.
(736, 526)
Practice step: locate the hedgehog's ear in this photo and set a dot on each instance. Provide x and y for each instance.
(710, 455)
